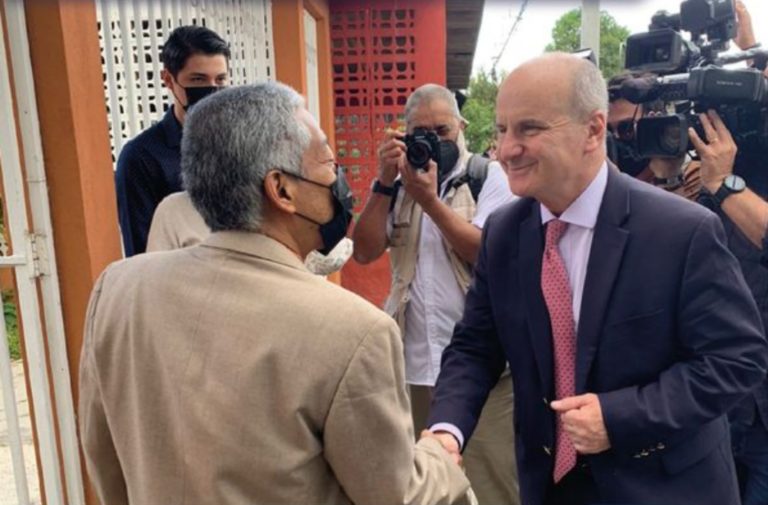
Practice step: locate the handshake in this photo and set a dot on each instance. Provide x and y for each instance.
(582, 421)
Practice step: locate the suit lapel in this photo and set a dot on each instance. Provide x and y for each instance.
(603, 266)
(531, 246)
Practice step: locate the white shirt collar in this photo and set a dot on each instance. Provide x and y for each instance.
(584, 210)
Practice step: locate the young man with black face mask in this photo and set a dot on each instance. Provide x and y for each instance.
(668, 174)
(195, 64)
(430, 219)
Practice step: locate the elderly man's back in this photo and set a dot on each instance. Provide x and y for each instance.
(227, 373)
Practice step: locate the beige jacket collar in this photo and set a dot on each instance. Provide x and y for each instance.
(254, 244)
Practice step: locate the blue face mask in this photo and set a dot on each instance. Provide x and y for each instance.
(334, 230)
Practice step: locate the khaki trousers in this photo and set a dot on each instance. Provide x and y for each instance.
(489, 457)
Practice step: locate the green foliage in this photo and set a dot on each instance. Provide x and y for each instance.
(11, 325)
(566, 36)
(479, 111)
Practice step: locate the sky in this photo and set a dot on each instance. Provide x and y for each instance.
(534, 31)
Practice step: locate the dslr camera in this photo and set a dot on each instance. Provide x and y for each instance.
(420, 147)
(690, 78)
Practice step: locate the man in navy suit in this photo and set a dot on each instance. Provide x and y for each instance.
(625, 320)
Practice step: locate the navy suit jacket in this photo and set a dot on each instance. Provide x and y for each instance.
(669, 339)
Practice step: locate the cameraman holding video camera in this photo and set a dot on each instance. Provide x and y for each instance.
(735, 185)
(665, 173)
(730, 137)
(428, 205)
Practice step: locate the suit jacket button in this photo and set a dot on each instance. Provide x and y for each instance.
(660, 446)
(548, 450)
(546, 402)
(644, 453)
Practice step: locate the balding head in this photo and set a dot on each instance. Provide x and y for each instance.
(574, 82)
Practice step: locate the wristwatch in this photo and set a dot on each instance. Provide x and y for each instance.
(731, 185)
(382, 189)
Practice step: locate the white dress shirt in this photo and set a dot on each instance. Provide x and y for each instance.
(576, 243)
(436, 301)
(574, 246)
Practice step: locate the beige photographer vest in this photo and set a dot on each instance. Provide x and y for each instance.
(404, 247)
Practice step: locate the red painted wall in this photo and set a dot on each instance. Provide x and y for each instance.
(381, 51)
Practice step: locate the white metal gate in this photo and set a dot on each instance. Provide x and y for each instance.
(31, 258)
(131, 33)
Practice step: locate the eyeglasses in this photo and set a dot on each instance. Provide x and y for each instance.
(623, 130)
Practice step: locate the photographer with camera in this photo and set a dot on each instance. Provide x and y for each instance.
(428, 205)
(665, 173)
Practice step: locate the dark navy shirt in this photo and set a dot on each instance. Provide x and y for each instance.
(148, 170)
(752, 166)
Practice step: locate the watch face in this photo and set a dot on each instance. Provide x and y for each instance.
(734, 183)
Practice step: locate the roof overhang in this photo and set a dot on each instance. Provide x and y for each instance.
(463, 18)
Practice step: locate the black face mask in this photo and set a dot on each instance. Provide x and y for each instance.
(449, 155)
(628, 160)
(196, 94)
(334, 230)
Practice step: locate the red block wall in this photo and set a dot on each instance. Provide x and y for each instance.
(381, 51)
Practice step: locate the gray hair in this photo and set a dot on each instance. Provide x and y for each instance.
(428, 93)
(589, 90)
(231, 140)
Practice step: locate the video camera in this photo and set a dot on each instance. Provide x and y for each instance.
(690, 78)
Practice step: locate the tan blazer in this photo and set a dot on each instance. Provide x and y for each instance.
(226, 373)
(177, 223)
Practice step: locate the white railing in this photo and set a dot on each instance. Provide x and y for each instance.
(132, 32)
(36, 283)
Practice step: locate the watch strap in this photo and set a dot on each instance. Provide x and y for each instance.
(380, 188)
(669, 183)
(723, 192)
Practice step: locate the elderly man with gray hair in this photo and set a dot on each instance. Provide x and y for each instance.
(226, 373)
(430, 217)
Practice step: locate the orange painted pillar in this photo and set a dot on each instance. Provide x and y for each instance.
(291, 57)
(66, 63)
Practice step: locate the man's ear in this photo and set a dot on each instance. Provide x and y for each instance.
(597, 125)
(167, 78)
(280, 191)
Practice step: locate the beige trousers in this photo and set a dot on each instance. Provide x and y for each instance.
(489, 457)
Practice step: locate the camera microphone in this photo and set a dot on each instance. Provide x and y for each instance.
(648, 89)
(640, 90)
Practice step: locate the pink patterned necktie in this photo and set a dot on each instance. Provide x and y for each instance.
(557, 295)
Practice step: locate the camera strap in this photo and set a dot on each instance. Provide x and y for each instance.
(474, 175)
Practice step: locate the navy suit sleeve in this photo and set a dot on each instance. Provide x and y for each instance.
(474, 360)
(722, 357)
(137, 180)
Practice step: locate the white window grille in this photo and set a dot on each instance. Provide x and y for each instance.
(132, 32)
(313, 81)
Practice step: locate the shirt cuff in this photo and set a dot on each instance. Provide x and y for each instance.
(449, 428)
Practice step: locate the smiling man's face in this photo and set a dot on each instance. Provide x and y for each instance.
(544, 147)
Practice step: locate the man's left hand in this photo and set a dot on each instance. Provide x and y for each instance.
(420, 184)
(717, 154)
(582, 420)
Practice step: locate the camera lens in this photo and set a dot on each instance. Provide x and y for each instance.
(669, 140)
(419, 153)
